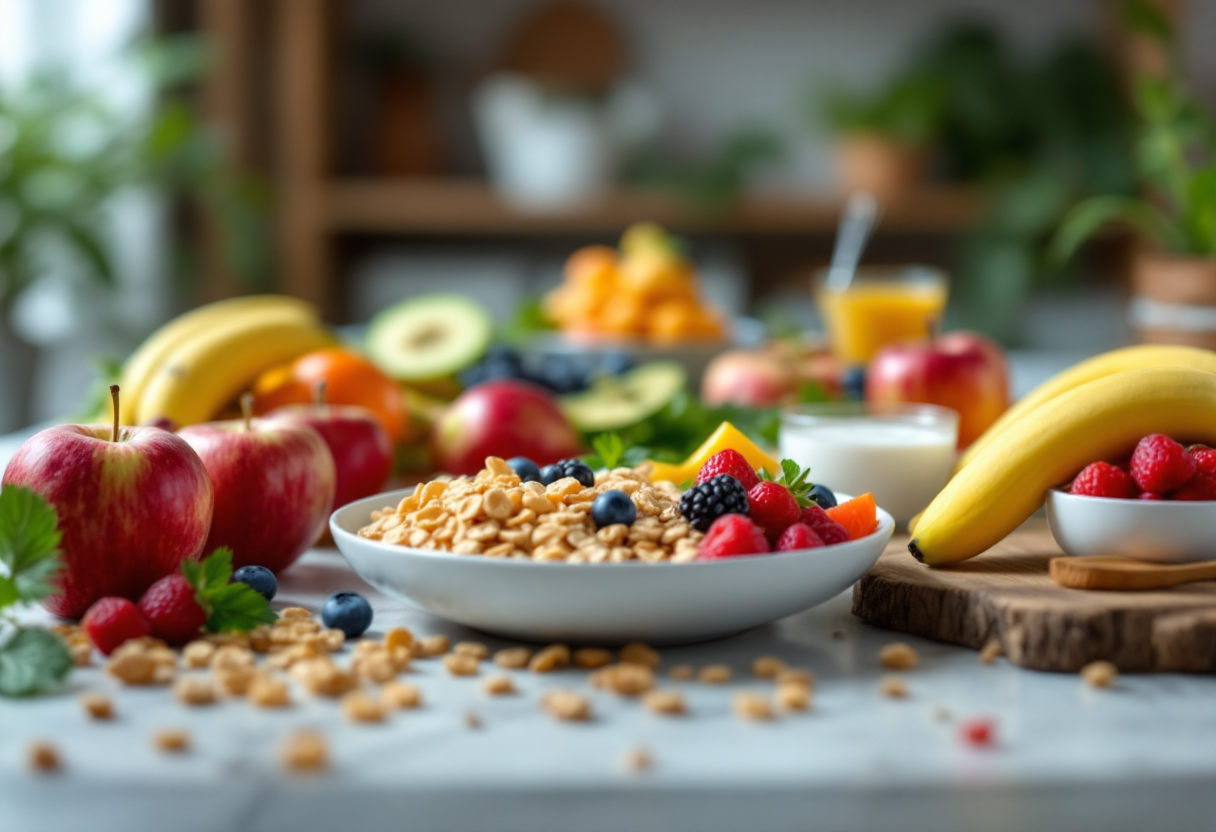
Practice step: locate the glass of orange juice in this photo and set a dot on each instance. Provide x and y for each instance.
(880, 306)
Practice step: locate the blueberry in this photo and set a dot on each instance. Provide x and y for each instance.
(260, 578)
(526, 468)
(853, 383)
(613, 507)
(568, 468)
(823, 495)
(348, 612)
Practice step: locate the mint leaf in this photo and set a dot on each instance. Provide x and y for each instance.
(794, 478)
(217, 570)
(610, 449)
(29, 545)
(32, 662)
(238, 608)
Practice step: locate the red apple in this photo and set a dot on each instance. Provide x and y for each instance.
(961, 370)
(749, 378)
(133, 503)
(274, 485)
(361, 448)
(502, 418)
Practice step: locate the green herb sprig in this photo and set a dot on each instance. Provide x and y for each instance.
(230, 607)
(611, 452)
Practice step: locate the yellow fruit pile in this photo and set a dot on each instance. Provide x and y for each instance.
(645, 290)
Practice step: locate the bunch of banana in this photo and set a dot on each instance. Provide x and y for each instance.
(198, 363)
(1006, 481)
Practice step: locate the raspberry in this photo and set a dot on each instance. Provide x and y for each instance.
(732, 535)
(702, 504)
(1199, 487)
(729, 462)
(829, 531)
(1204, 457)
(112, 621)
(1101, 479)
(1148, 495)
(798, 536)
(1159, 464)
(772, 507)
(978, 732)
(170, 608)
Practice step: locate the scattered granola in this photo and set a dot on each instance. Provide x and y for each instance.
(793, 696)
(625, 679)
(43, 757)
(796, 676)
(589, 658)
(897, 656)
(194, 691)
(513, 658)
(400, 695)
(893, 687)
(498, 685)
(637, 760)
(97, 705)
(171, 740)
(398, 637)
(669, 702)
(767, 667)
(1099, 674)
(460, 664)
(553, 657)
(638, 653)
(472, 648)
(567, 705)
(431, 646)
(267, 692)
(360, 707)
(305, 751)
(751, 706)
(681, 672)
(715, 674)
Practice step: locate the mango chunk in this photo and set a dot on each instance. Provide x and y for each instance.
(728, 436)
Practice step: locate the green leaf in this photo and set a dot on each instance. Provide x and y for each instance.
(609, 448)
(34, 661)
(29, 544)
(794, 478)
(1091, 215)
(238, 608)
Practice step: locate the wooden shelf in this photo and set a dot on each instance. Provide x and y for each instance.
(470, 207)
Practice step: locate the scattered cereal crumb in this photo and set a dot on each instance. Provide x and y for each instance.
(635, 652)
(194, 690)
(897, 656)
(637, 760)
(793, 696)
(751, 706)
(1099, 674)
(625, 679)
(305, 751)
(295, 613)
(232, 655)
(198, 653)
(43, 757)
(513, 658)
(567, 705)
(400, 695)
(430, 646)
(715, 674)
(894, 687)
(265, 692)
(460, 664)
(378, 665)
(681, 672)
(472, 648)
(498, 685)
(131, 667)
(171, 740)
(665, 701)
(767, 667)
(992, 649)
(398, 637)
(234, 681)
(796, 676)
(321, 676)
(553, 657)
(97, 705)
(471, 720)
(360, 707)
(590, 658)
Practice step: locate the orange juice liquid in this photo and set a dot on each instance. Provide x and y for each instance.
(869, 315)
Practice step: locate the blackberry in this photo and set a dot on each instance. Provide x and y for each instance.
(701, 505)
(568, 468)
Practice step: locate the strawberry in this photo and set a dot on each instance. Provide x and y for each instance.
(829, 531)
(729, 462)
(1159, 464)
(171, 608)
(798, 536)
(772, 507)
(1101, 479)
(112, 621)
(1148, 495)
(732, 535)
(1199, 487)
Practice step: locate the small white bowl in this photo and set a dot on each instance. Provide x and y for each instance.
(1162, 531)
(662, 603)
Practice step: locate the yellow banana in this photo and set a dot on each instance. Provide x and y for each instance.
(208, 372)
(1008, 480)
(1141, 357)
(147, 359)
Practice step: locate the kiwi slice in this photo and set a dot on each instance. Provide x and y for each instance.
(429, 336)
(613, 403)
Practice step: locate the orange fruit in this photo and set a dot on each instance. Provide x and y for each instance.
(594, 265)
(859, 516)
(657, 276)
(349, 379)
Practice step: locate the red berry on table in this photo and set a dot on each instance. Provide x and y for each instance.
(172, 611)
(798, 536)
(1159, 464)
(732, 535)
(112, 621)
(1199, 487)
(978, 732)
(772, 507)
(829, 531)
(1101, 479)
(1204, 458)
(732, 463)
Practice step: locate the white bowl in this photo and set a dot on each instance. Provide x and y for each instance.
(1163, 531)
(662, 603)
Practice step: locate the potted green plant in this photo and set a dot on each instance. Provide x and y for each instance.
(1174, 268)
(885, 139)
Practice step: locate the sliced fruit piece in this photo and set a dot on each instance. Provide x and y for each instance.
(670, 472)
(729, 436)
(615, 403)
(859, 515)
(429, 337)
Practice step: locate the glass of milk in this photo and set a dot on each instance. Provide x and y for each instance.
(902, 453)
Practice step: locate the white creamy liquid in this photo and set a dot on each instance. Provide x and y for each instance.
(904, 465)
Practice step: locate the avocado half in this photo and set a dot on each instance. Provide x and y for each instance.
(613, 403)
(429, 336)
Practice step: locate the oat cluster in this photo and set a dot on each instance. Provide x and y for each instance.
(494, 514)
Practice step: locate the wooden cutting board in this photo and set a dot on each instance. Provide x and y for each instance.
(1006, 594)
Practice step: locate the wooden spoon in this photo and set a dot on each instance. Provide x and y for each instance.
(1126, 574)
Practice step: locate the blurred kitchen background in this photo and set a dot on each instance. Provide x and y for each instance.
(154, 155)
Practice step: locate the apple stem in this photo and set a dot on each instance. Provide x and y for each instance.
(247, 410)
(114, 401)
(318, 394)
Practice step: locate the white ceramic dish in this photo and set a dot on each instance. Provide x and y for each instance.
(662, 603)
(1161, 531)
